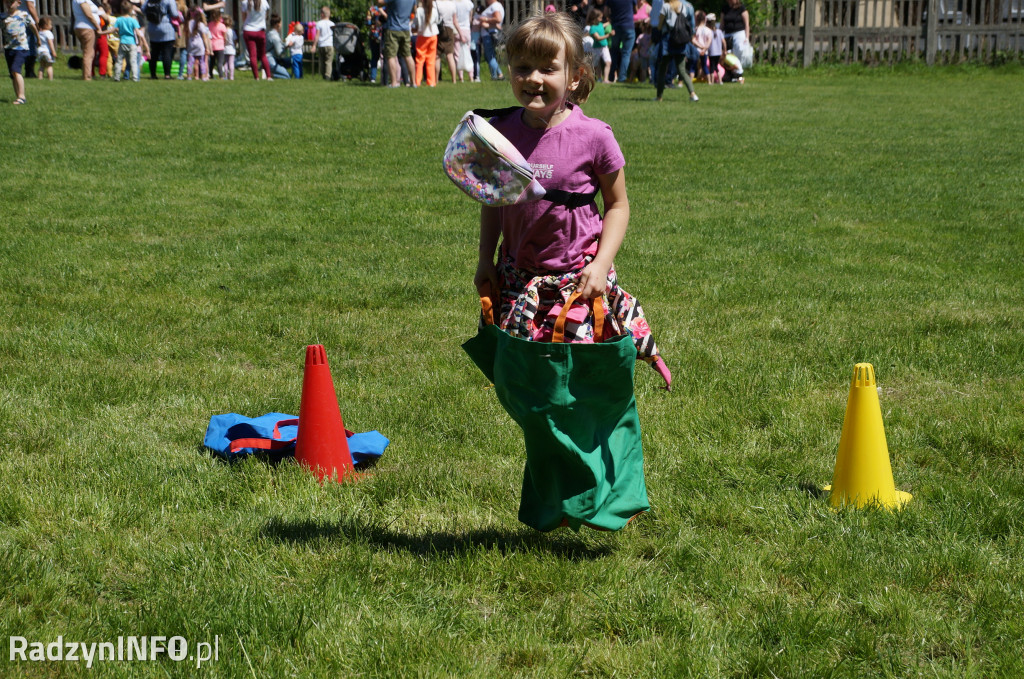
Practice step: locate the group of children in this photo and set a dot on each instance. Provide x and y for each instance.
(706, 60)
(210, 41)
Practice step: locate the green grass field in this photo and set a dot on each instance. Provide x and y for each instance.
(170, 248)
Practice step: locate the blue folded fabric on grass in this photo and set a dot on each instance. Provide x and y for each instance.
(232, 435)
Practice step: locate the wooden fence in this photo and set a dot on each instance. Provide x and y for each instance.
(888, 31)
(872, 31)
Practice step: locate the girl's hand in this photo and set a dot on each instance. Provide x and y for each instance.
(486, 279)
(593, 280)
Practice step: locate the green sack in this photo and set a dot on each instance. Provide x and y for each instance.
(575, 405)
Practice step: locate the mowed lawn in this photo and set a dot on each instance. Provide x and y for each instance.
(169, 249)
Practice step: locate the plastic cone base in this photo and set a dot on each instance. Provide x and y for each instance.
(897, 501)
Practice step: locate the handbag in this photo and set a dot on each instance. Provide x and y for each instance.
(576, 407)
(445, 34)
(488, 168)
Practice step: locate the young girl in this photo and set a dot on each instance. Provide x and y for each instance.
(216, 26)
(17, 23)
(197, 41)
(716, 49)
(560, 244)
(229, 49)
(702, 41)
(600, 32)
(47, 50)
(294, 43)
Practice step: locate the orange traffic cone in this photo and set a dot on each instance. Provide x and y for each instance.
(863, 475)
(321, 444)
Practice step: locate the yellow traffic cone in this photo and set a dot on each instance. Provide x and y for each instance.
(863, 475)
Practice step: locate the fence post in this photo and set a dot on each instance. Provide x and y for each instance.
(931, 32)
(809, 12)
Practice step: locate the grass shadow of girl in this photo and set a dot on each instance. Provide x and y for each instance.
(437, 544)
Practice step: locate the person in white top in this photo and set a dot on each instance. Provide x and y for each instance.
(427, 22)
(254, 27)
(463, 51)
(294, 43)
(324, 39)
(86, 17)
(491, 20)
(447, 36)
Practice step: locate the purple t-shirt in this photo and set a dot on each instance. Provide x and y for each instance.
(541, 236)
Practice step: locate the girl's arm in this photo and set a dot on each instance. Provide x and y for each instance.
(207, 44)
(594, 278)
(486, 277)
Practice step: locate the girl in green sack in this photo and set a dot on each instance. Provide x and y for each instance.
(552, 249)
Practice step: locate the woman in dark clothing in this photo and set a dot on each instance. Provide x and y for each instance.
(736, 26)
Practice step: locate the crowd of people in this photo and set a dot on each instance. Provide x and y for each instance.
(625, 39)
(410, 41)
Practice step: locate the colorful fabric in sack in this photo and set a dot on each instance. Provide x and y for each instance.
(486, 166)
(531, 303)
(575, 405)
(232, 435)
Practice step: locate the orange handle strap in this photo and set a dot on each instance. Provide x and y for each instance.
(598, 305)
(487, 306)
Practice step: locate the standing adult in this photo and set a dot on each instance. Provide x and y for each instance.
(86, 17)
(161, 33)
(427, 21)
(579, 11)
(657, 44)
(491, 20)
(398, 38)
(463, 54)
(254, 33)
(671, 12)
(325, 42)
(736, 26)
(447, 37)
(623, 35)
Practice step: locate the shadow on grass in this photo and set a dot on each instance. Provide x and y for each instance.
(563, 544)
(813, 489)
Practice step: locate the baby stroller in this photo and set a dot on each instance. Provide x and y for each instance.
(350, 53)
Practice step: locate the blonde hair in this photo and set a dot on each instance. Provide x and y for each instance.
(542, 36)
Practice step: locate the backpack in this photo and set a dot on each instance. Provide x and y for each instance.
(153, 11)
(679, 35)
